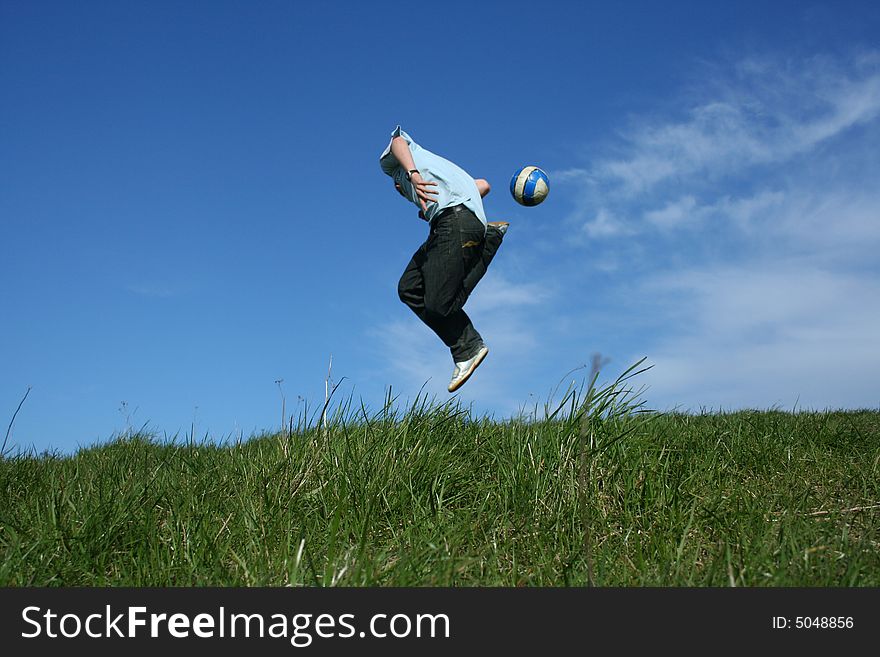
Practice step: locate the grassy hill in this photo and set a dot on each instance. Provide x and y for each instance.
(595, 490)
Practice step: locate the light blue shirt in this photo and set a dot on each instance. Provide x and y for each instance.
(454, 185)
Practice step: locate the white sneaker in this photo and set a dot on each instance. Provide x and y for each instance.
(464, 369)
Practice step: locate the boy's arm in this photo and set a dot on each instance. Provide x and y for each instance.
(400, 150)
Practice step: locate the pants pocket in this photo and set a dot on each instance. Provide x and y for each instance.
(472, 232)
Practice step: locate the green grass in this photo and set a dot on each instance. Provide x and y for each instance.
(430, 495)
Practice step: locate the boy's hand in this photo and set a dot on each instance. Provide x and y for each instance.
(423, 190)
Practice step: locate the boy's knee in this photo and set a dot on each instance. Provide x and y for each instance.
(404, 292)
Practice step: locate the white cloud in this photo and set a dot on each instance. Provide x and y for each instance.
(503, 311)
(839, 224)
(769, 117)
(409, 352)
(674, 214)
(716, 136)
(605, 224)
(764, 287)
(742, 213)
(497, 292)
(767, 337)
(673, 173)
(734, 301)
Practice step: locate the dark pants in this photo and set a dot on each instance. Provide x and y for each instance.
(442, 274)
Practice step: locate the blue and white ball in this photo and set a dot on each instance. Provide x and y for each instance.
(529, 186)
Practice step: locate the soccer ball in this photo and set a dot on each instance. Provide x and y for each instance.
(529, 186)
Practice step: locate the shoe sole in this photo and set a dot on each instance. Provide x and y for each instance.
(480, 359)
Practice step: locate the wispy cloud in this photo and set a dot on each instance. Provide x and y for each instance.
(503, 311)
(497, 292)
(761, 113)
(408, 353)
(756, 216)
(606, 224)
(674, 214)
(765, 337)
(767, 113)
(743, 213)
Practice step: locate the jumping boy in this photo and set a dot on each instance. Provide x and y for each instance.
(445, 269)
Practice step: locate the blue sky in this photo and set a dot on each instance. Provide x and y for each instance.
(192, 207)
